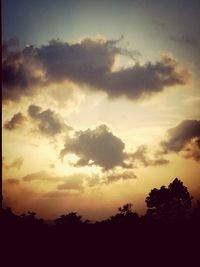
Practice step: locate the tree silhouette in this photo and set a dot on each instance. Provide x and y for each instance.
(126, 209)
(126, 234)
(169, 204)
(71, 219)
(29, 219)
(126, 215)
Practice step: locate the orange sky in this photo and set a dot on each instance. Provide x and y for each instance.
(101, 114)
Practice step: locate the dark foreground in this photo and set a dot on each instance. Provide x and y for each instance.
(167, 235)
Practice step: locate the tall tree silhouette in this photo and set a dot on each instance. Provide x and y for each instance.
(169, 204)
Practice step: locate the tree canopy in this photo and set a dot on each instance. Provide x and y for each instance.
(170, 203)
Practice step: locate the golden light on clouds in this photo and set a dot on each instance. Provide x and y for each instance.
(99, 116)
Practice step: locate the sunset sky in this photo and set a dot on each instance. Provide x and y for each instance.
(101, 103)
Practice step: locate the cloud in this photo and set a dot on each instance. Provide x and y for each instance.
(102, 148)
(48, 201)
(73, 182)
(12, 43)
(59, 194)
(68, 182)
(41, 176)
(88, 64)
(185, 39)
(11, 181)
(192, 149)
(15, 164)
(144, 80)
(20, 72)
(123, 175)
(109, 177)
(185, 138)
(15, 122)
(141, 155)
(48, 122)
(96, 147)
(91, 62)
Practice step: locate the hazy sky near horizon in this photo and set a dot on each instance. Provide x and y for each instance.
(100, 103)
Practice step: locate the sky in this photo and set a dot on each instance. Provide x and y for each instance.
(100, 103)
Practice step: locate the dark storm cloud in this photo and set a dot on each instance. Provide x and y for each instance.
(90, 63)
(48, 122)
(96, 147)
(16, 121)
(185, 137)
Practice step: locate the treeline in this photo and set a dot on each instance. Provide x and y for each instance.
(167, 205)
(170, 226)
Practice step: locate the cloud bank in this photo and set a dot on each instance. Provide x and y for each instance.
(87, 64)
